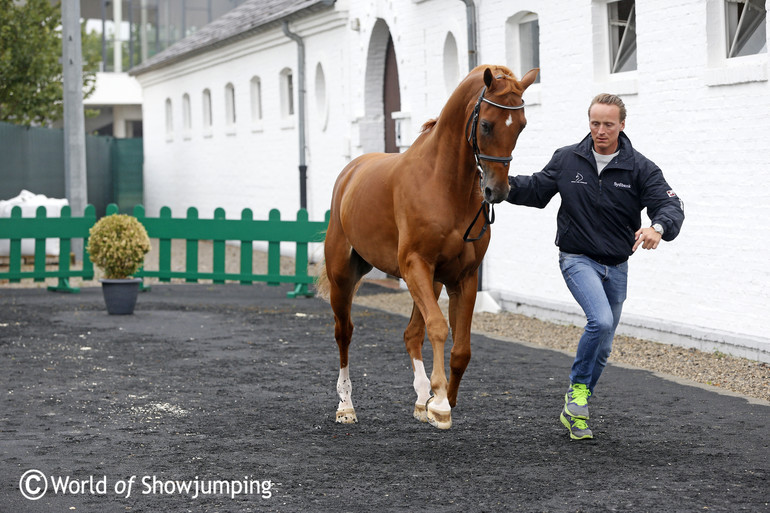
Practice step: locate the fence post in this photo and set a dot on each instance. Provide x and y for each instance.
(191, 250)
(164, 249)
(301, 260)
(40, 255)
(65, 247)
(274, 249)
(14, 265)
(218, 247)
(88, 267)
(139, 214)
(247, 248)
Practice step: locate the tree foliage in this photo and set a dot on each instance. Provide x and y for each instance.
(31, 89)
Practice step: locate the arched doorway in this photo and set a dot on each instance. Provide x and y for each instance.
(391, 97)
(382, 94)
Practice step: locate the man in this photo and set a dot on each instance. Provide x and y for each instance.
(604, 185)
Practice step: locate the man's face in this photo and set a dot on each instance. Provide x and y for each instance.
(605, 124)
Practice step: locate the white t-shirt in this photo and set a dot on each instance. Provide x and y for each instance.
(603, 160)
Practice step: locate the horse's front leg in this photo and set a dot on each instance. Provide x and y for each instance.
(414, 335)
(419, 278)
(461, 302)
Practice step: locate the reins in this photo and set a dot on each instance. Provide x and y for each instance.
(473, 121)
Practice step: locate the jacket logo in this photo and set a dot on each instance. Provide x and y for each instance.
(579, 179)
(622, 185)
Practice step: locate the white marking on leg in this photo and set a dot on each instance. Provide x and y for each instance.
(509, 121)
(441, 405)
(344, 388)
(421, 382)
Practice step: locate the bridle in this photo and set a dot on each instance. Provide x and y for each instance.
(487, 208)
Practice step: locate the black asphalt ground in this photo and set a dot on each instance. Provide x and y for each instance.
(221, 398)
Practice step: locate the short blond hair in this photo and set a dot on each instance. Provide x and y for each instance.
(609, 99)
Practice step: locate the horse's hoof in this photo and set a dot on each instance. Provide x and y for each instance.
(438, 418)
(420, 412)
(347, 416)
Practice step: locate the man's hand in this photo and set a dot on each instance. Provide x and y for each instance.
(648, 238)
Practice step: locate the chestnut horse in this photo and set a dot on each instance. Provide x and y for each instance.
(417, 215)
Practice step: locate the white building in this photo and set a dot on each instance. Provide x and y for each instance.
(221, 120)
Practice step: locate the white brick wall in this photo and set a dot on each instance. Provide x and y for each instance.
(690, 111)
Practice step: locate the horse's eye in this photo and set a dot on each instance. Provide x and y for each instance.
(486, 127)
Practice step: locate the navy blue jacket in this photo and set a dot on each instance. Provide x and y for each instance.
(599, 215)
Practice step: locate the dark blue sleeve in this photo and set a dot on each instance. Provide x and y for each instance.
(536, 190)
(663, 204)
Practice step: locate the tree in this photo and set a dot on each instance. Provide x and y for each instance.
(30, 63)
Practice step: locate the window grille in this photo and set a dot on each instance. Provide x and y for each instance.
(746, 27)
(622, 25)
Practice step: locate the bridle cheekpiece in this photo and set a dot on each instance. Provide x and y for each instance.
(473, 121)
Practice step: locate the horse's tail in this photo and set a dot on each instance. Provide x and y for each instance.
(322, 285)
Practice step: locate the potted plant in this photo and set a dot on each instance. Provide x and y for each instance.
(117, 245)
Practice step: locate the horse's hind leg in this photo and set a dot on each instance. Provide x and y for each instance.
(344, 270)
(414, 336)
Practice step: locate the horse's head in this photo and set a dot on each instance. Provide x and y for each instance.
(495, 124)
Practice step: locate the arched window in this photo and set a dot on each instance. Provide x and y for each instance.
(256, 99)
(229, 105)
(207, 118)
(169, 118)
(320, 96)
(451, 64)
(523, 43)
(287, 93)
(186, 113)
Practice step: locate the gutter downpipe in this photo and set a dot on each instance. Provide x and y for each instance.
(470, 11)
(473, 56)
(301, 114)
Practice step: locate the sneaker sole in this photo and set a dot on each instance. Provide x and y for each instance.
(571, 435)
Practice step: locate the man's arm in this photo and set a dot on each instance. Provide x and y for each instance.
(535, 190)
(664, 208)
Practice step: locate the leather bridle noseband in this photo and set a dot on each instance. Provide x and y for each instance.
(473, 121)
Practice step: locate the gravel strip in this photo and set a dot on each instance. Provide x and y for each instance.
(724, 372)
(739, 375)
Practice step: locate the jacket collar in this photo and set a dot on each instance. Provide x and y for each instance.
(624, 160)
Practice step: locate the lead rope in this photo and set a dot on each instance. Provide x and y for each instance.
(489, 218)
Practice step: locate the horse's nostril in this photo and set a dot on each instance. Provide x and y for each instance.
(488, 192)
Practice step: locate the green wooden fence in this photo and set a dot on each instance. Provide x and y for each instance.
(65, 228)
(165, 228)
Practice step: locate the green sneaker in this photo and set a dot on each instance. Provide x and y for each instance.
(576, 401)
(578, 429)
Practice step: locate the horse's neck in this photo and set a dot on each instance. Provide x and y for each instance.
(455, 162)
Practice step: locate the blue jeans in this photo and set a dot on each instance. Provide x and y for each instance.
(600, 291)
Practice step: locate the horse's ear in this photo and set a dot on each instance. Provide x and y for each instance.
(528, 79)
(488, 77)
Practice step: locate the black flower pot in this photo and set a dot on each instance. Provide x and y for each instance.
(120, 295)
